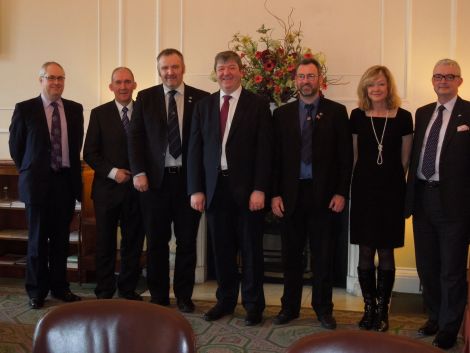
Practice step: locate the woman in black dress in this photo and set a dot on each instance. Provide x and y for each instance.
(382, 138)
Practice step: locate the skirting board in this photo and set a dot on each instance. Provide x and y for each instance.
(406, 281)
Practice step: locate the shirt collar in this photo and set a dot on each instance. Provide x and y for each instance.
(179, 89)
(120, 106)
(449, 105)
(235, 94)
(46, 102)
(302, 103)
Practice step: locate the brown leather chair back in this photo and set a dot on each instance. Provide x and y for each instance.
(359, 342)
(113, 326)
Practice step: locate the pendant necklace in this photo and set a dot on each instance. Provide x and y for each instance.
(380, 146)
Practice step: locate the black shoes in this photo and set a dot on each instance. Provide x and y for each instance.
(36, 303)
(430, 328)
(327, 321)
(284, 317)
(444, 340)
(130, 296)
(162, 302)
(217, 312)
(66, 296)
(185, 306)
(253, 318)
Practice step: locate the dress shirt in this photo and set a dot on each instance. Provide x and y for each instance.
(130, 107)
(179, 98)
(306, 169)
(48, 109)
(231, 111)
(446, 113)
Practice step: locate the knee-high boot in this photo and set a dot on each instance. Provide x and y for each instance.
(369, 293)
(385, 280)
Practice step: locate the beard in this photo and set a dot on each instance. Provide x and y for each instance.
(308, 90)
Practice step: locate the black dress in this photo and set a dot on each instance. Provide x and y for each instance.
(378, 191)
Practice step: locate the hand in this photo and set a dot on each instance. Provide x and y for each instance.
(198, 201)
(122, 176)
(141, 183)
(277, 206)
(337, 203)
(256, 201)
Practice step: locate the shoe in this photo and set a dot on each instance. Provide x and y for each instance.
(430, 328)
(253, 318)
(327, 321)
(444, 340)
(66, 296)
(162, 302)
(185, 306)
(36, 303)
(130, 296)
(284, 317)
(217, 312)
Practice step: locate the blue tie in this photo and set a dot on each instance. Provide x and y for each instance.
(307, 129)
(174, 140)
(429, 158)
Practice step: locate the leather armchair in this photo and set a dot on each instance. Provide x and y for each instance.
(113, 326)
(359, 342)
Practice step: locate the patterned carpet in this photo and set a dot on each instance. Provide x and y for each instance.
(224, 336)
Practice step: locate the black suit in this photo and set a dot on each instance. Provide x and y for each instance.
(49, 196)
(231, 224)
(306, 202)
(166, 201)
(441, 217)
(105, 149)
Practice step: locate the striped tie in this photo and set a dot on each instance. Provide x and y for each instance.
(125, 119)
(174, 140)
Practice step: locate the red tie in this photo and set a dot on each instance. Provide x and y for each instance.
(224, 115)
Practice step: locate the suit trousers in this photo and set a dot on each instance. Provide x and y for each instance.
(316, 225)
(236, 230)
(48, 238)
(127, 215)
(441, 246)
(161, 208)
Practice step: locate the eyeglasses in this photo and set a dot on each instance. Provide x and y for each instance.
(54, 78)
(440, 77)
(309, 77)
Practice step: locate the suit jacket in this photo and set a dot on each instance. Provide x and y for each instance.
(332, 155)
(454, 162)
(248, 148)
(148, 131)
(106, 148)
(30, 148)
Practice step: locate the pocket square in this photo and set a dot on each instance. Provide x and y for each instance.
(463, 128)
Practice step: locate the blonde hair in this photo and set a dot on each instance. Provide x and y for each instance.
(393, 101)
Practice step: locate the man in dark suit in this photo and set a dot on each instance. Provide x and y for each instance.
(312, 172)
(46, 135)
(158, 148)
(438, 194)
(229, 170)
(115, 199)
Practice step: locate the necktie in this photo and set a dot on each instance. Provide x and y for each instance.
(224, 115)
(125, 119)
(307, 129)
(429, 158)
(174, 140)
(56, 140)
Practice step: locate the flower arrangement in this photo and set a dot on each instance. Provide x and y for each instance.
(269, 64)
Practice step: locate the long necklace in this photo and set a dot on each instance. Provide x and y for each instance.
(380, 145)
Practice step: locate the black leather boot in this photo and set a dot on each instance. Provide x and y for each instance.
(385, 280)
(369, 293)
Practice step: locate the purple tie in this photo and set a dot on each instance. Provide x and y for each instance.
(56, 140)
(430, 152)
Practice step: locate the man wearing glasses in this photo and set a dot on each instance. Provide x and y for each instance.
(437, 196)
(46, 135)
(312, 172)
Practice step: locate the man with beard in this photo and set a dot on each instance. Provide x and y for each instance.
(312, 171)
(158, 145)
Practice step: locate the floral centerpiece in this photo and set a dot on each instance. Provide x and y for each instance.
(269, 64)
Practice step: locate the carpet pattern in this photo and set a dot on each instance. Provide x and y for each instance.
(228, 335)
